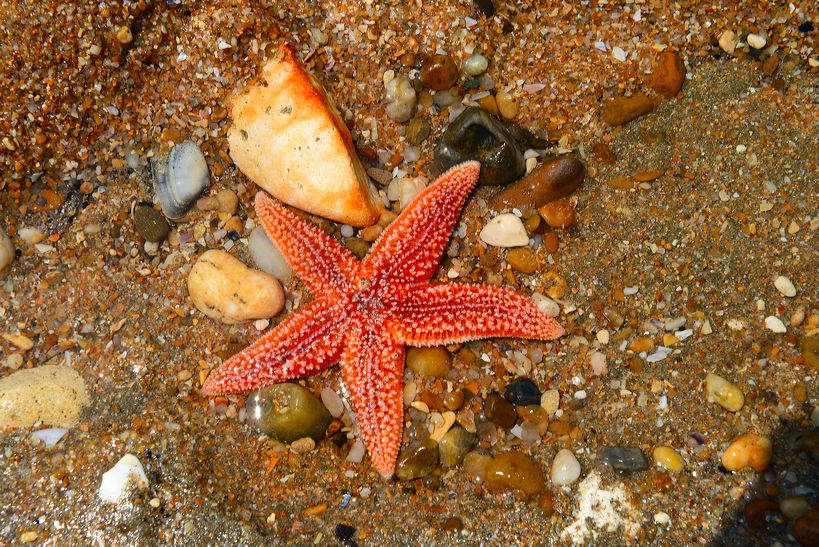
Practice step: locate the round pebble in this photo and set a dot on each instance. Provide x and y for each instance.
(785, 286)
(6, 251)
(401, 99)
(288, 412)
(565, 468)
(558, 214)
(476, 64)
(505, 230)
(227, 201)
(150, 224)
(546, 305)
(514, 471)
(668, 458)
(724, 393)
(547, 183)
(439, 72)
(775, 324)
(748, 450)
(756, 41)
(621, 110)
(417, 460)
(806, 528)
(455, 399)
(793, 507)
(454, 445)
(623, 458)
(499, 411)
(728, 41)
(267, 256)
(522, 391)
(523, 260)
(597, 361)
(429, 362)
(223, 288)
(300, 446)
(507, 105)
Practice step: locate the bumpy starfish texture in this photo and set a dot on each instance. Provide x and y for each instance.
(365, 312)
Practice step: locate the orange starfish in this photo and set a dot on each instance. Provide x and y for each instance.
(364, 312)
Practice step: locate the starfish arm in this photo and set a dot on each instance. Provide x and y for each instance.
(325, 266)
(372, 364)
(305, 343)
(433, 315)
(410, 248)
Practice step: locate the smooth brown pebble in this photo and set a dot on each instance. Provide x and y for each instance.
(558, 214)
(621, 110)
(439, 72)
(548, 182)
(514, 471)
(551, 242)
(522, 259)
(499, 411)
(507, 105)
(431, 362)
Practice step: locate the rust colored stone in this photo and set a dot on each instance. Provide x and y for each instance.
(669, 74)
(621, 110)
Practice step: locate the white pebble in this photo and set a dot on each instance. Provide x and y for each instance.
(775, 324)
(6, 251)
(408, 190)
(546, 305)
(118, 477)
(476, 65)
(603, 336)
(30, 235)
(347, 230)
(550, 401)
(505, 230)
(400, 99)
(580, 394)
(356, 453)
(598, 363)
(332, 401)
(757, 41)
(785, 286)
(565, 468)
(267, 256)
(662, 518)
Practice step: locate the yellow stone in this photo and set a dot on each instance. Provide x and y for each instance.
(668, 458)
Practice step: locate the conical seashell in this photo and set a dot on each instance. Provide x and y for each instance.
(180, 181)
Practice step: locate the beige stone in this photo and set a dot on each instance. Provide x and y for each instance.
(53, 395)
(6, 251)
(288, 138)
(223, 288)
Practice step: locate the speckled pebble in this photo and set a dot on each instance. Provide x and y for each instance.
(52, 395)
(439, 72)
(454, 445)
(785, 286)
(288, 412)
(558, 214)
(522, 259)
(550, 401)
(723, 392)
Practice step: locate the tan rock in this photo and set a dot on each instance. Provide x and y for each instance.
(6, 251)
(53, 395)
(223, 288)
(288, 138)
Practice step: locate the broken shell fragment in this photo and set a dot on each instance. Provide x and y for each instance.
(288, 138)
(179, 181)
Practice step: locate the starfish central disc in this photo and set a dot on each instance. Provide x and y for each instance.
(363, 313)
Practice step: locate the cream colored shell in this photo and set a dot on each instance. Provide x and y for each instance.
(288, 138)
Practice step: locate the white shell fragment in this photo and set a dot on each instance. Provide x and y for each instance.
(775, 324)
(50, 436)
(179, 182)
(785, 286)
(115, 480)
(505, 230)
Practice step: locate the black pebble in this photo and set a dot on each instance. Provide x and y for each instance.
(346, 535)
(522, 391)
(807, 26)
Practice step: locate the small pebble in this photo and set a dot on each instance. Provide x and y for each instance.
(546, 305)
(775, 324)
(439, 72)
(668, 458)
(332, 401)
(128, 470)
(150, 224)
(514, 471)
(50, 436)
(227, 201)
(669, 74)
(124, 35)
(499, 411)
(476, 64)
(565, 468)
(223, 288)
(455, 400)
(303, 445)
(432, 362)
(756, 41)
(417, 131)
(748, 450)
(522, 391)
(724, 393)
(554, 285)
(621, 110)
(597, 361)
(623, 458)
(728, 41)
(267, 256)
(507, 105)
(454, 445)
(558, 214)
(14, 361)
(550, 401)
(30, 235)
(785, 286)
(287, 412)
(417, 460)
(505, 230)
(522, 259)
(794, 507)
(549, 182)
(401, 99)
(179, 182)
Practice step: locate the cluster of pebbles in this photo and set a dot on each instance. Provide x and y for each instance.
(638, 395)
